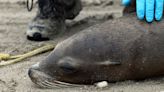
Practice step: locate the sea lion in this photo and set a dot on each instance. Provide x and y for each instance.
(120, 49)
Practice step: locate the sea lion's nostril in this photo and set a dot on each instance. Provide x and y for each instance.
(30, 72)
(33, 67)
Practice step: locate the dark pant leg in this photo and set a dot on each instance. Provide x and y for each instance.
(68, 9)
(131, 8)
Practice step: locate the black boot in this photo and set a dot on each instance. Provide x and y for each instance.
(51, 16)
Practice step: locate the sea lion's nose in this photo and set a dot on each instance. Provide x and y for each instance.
(30, 72)
(33, 67)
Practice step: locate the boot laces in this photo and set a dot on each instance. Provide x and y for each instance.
(30, 7)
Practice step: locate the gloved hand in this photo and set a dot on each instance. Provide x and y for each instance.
(149, 9)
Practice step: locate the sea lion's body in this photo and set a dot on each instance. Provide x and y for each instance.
(120, 49)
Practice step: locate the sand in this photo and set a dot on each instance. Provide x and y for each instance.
(14, 20)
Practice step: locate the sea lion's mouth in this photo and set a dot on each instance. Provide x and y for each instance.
(45, 81)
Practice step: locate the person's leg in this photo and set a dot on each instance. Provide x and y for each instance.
(50, 18)
(130, 8)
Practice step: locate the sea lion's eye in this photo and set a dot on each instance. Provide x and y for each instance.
(67, 67)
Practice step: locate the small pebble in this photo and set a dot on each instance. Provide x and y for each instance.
(102, 84)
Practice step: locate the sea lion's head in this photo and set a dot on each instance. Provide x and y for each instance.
(65, 67)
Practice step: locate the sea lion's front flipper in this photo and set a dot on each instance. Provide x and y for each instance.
(109, 63)
(131, 8)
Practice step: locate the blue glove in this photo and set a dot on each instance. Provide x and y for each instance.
(126, 2)
(148, 9)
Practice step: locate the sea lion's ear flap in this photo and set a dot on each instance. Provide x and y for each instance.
(131, 8)
(109, 63)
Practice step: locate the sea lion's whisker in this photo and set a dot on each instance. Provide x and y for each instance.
(57, 84)
(40, 84)
(54, 84)
(49, 85)
(43, 85)
(67, 84)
